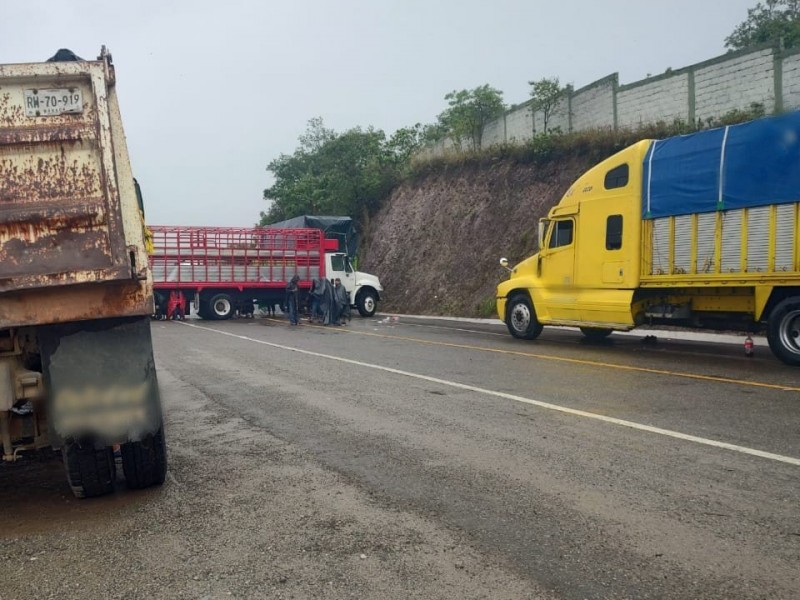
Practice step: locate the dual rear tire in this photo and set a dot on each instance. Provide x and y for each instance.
(91, 470)
(218, 307)
(783, 331)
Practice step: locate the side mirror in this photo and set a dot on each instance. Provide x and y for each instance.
(541, 234)
(504, 264)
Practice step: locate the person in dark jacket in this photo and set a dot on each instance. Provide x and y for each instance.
(315, 294)
(326, 303)
(292, 293)
(342, 302)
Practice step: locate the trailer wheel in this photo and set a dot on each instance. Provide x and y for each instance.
(521, 318)
(90, 471)
(145, 462)
(221, 307)
(783, 331)
(595, 334)
(367, 303)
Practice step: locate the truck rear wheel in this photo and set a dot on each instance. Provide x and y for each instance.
(220, 307)
(521, 318)
(90, 470)
(595, 334)
(367, 303)
(145, 462)
(783, 331)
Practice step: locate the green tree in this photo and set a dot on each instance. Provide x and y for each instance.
(545, 96)
(775, 21)
(433, 132)
(404, 143)
(468, 113)
(333, 173)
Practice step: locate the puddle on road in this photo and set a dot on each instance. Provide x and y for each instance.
(38, 500)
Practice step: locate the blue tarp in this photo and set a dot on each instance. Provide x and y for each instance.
(340, 228)
(752, 164)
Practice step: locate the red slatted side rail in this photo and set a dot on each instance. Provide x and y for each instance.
(252, 257)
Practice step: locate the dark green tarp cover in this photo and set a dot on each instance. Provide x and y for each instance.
(340, 228)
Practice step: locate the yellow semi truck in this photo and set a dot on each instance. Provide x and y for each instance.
(698, 230)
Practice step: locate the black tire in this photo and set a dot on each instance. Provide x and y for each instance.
(221, 307)
(596, 334)
(783, 331)
(90, 470)
(367, 303)
(145, 462)
(521, 318)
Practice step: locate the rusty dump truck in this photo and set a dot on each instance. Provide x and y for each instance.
(76, 360)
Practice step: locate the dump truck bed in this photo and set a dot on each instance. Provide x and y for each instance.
(71, 239)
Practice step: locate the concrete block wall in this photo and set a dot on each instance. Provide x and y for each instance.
(559, 117)
(519, 124)
(722, 85)
(494, 133)
(664, 98)
(765, 75)
(593, 107)
(790, 84)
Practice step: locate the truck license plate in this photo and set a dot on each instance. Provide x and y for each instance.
(53, 102)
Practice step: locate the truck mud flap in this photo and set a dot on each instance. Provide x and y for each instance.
(101, 380)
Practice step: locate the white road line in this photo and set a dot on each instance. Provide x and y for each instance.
(538, 403)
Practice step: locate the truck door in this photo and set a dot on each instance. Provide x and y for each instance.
(557, 270)
(339, 266)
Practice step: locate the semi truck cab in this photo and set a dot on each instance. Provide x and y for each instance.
(587, 270)
(700, 230)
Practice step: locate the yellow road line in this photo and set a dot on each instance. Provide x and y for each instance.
(577, 361)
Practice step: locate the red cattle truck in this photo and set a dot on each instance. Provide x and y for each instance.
(225, 269)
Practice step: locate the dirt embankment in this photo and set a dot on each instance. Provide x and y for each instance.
(437, 241)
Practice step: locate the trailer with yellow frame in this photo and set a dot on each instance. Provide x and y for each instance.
(698, 230)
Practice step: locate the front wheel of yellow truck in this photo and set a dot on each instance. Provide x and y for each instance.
(783, 331)
(521, 318)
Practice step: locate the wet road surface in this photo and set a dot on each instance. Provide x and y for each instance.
(457, 461)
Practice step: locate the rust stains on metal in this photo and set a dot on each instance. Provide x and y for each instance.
(59, 251)
(61, 226)
(75, 303)
(42, 176)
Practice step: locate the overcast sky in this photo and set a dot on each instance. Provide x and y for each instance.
(211, 91)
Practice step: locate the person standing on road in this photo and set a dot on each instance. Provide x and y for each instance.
(292, 293)
(342, 302)
(326, 303)
(316, 297)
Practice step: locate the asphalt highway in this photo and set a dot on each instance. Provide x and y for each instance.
(411, 458)
(619, 470)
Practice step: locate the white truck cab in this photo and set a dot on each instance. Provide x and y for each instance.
(364, 289)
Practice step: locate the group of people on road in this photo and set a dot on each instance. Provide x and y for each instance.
(328, 299)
